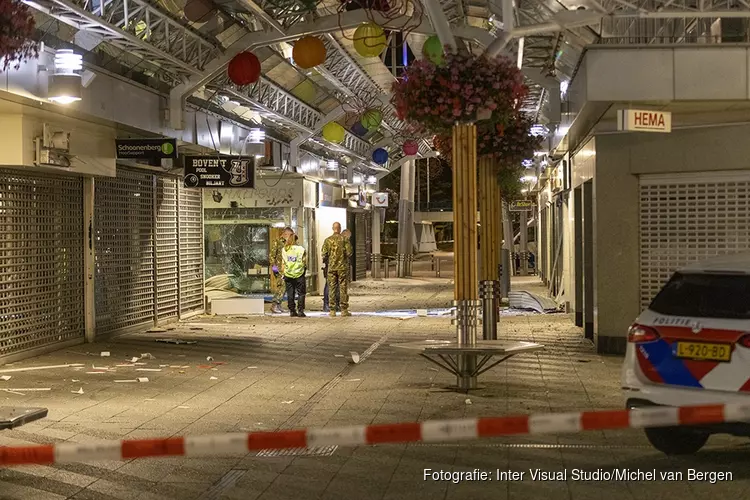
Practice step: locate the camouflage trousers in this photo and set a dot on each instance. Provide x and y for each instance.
(278, 290)
(338, 284)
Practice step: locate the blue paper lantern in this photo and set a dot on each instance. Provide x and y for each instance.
(380, 156)
(359, 129)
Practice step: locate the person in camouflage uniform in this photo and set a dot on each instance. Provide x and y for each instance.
(276, 261)
(337, 252)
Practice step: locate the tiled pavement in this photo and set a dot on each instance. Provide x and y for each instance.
(279, 372)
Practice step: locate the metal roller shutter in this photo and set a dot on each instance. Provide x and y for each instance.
(125, 272)
(41, 261)
(360, 250)
(167, 283)
(689, 217)
(191, 250)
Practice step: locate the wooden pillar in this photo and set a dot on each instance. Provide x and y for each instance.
(465, 212)
(488, 216)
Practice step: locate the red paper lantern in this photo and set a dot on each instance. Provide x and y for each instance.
(244, 69)
(410, 148)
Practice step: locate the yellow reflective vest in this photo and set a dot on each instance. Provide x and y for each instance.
(294, 261)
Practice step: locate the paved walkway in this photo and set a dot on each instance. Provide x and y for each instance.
(265, 373)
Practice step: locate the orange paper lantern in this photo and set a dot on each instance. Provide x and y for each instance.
(309, 52)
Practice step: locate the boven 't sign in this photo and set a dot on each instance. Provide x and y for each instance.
(638, 120)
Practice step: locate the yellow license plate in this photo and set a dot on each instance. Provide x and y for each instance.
(704, 352)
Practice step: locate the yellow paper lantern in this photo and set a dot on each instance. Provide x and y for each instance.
(305, 91)
(369, 40)
(333, 132)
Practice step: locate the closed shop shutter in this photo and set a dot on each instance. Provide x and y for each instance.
(191, 250)
(124, 222)
(685, 218)
(41, 261)
(360, 242)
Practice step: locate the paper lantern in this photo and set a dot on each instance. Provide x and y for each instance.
(371, 119)
(359, 129)
(305, 91)
(369, 40)
(380, 156)
(333, 132)
(309, 52)
(432, 50)
(410, 148)
(244, 69)
(199, 11)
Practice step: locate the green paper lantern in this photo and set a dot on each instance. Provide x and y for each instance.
(305, 92)
(433, 51)
(333, 132)
(369, 40)
(371, 119)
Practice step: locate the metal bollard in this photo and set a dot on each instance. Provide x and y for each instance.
(407, 265)
(487, 291)
(401, 265)
(375, 273)
(466, 329)
(387, 265)
(437, 268)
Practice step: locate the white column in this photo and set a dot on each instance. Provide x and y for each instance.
(406, 214)
(524, 244)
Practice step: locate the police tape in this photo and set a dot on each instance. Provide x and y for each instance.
(363, 435)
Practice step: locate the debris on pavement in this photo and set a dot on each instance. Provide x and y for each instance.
(209, 358)
(287, 402)
(49, 367)
(354, 357)
(252, 367)
(94, 373)
(134, 359)
(354, 380)
(183, 407)
(142, 379)
(147, 355)
(38, 389)
(176, 341)
(79, 391)
(468, 401)
(105, 354)
(214, 378)
(129, 381)
(104, 368)
(338, 355)
(5, 377)
(148, 369)
(74, 380)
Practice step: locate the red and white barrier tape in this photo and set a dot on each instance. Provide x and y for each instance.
(430, 431)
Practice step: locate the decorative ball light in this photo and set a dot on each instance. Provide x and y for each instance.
(309, 52)
(369, 40)
(432, 50)
(359, 129)
(410, 148)
(199, 11)
(244, 69)
(305, 91)
(380, 156)
(333, 132)
(371, 119)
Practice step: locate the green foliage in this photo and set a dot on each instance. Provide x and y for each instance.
(509, 178)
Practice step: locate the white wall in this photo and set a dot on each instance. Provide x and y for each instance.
(326, 216)
(268, 192)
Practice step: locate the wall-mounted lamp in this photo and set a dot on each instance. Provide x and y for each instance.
(528, 178)
(332, 165)
(255, 143)
(65, 83)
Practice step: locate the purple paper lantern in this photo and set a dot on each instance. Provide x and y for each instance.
(359, 129)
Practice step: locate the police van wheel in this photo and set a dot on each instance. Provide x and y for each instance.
(676, 441)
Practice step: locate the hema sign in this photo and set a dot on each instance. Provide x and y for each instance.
(638, 120)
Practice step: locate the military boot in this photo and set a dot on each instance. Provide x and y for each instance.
(332, 313)
(276, 309)
(345, 313)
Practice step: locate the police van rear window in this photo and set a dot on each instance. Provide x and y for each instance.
(705, 296)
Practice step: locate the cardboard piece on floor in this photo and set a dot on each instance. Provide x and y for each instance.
(79, 391)
(33, 368)
(5, 377)
(354, 357)
(105, 354)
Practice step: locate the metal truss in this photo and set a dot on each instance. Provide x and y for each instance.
(140, 29)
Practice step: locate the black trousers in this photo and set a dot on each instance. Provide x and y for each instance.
(296, 288)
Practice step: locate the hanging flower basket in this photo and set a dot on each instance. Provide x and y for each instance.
(465, 88)
(16, 30)
(511, 143)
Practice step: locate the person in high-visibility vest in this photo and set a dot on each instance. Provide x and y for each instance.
(293, 267)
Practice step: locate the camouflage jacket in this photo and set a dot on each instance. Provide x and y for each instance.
(337, 251)
(274, 257)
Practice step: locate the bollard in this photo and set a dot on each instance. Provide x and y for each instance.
(408, 260)
(487, 290)
(466, 330)
(387, 268)
(437, 267)
(505, 274)
(401, 265)
(375, 273)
